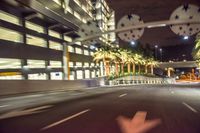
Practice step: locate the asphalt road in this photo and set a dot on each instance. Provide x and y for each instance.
(178, 107)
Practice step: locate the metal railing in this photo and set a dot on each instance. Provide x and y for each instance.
(136, 82)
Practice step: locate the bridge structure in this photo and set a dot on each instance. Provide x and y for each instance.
(170, 66)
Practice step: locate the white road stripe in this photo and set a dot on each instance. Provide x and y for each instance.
(122, 95)
(189, 107)
(66, 119)
(2, 106)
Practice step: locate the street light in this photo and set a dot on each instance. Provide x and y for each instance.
(156, 47)
(132, 43)
(186, 37)
(161, 53)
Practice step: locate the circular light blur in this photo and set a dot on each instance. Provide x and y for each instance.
(186, 37)
(132, 42)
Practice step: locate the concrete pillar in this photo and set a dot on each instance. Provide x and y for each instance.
(83, 70)
(47, 63)
(66, 58)
(24, 61)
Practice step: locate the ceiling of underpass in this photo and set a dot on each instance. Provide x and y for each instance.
(155, 10)
(152, 10)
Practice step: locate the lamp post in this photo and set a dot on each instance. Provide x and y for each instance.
(161, 53)
(156, 47)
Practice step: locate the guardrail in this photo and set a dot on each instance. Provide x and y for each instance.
(136, 82)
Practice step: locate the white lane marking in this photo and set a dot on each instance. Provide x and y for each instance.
(17, 113)
(189, 107)
(66, 119)
(2, 106)
(122, 95)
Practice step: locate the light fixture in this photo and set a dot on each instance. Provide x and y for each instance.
(158, 25)
(156, 46)
(25, 67)
(186, 37)
(132, 42)
(92, 47)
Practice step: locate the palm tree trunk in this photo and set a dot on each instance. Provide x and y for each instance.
(129, 68)
(107, 69)
(146, 69)
(116, 68)
(133, 68)
(122, 68)
(139, 69)
(152, 69)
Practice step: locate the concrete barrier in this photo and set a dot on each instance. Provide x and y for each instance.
(8, 87)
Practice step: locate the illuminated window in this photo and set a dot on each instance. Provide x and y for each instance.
(87, 74)
(78, 43)
(77, 15)
(77, 2)
(72, 75)
(79, 74)
(57, 1)
(10, 35)
(92, 64)
(36, 41)
(37, 76)
(34, 27)
(7, 63)
(36, 63)
(79, 64)
(54, 34)
(84, 20)
(85, 46)
(86, 52)
(91, 53)
(11, 77)
(86, 64)
(55, 45)
(78, 50)
(9, 18)
(55, 64)
(93, 74)
(68, 39)
(56, 75)
(71, 64)
(70, 49)
(70, 10)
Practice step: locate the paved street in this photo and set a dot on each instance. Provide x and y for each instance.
(177, 106)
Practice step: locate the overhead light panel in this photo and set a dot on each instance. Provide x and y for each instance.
(159, 25)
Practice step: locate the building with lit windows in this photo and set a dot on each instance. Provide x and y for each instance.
(35, 35)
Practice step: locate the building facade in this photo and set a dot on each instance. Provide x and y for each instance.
(35, 37)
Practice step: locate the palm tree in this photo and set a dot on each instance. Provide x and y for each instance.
(147, 64)
(117, 59)
(134, 59)
(196, 50)
(106, 54)
(141, 61)
(152, 63)
(124, 57)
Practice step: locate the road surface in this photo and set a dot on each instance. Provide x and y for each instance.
(178, 107)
